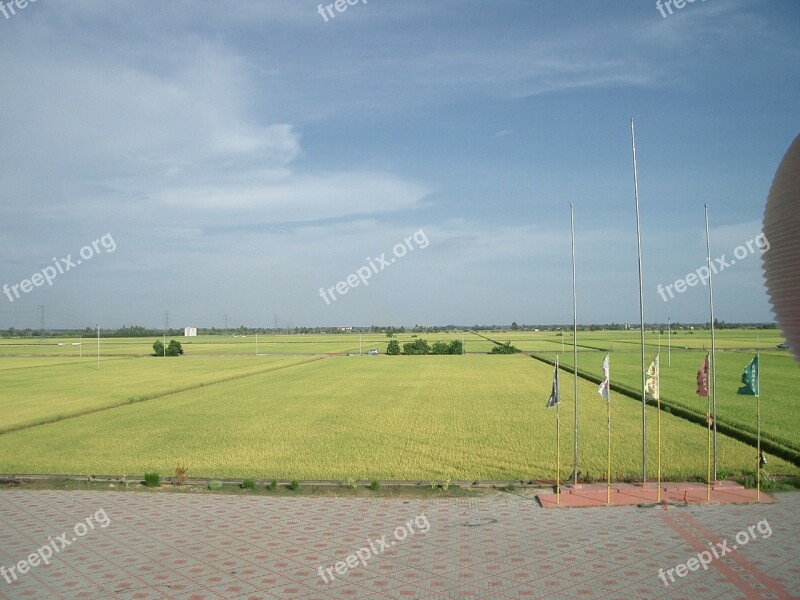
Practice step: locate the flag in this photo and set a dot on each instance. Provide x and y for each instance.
(750, 379)
(603, 390)
(702, 379)
(652, 388)
(555, 396)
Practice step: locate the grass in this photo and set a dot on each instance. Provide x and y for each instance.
(780, 377)
(36, 394)
(387, 418)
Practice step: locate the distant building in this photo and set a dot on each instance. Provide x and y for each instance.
(190, 332)
(345, 329)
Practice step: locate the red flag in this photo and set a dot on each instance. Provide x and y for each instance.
(702, 379)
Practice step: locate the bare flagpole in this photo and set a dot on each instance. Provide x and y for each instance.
(669, 342)
(558, 444)
(713, 343)
(641, 304)
(758, 424)
(574, 342)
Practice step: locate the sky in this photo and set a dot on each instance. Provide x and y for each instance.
(395, 163)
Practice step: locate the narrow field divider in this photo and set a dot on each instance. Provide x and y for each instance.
(153, 396)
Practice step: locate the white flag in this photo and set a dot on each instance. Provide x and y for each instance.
(604, 389)
(652, 388)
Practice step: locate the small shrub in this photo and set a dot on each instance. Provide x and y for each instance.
(295, 485)
(272, 485)
(180, 475)
(722, 475)
(446, 485)
(511, 487)
(433, 484)
(152, 479)
(248, 484)
(215, 485)
(352, 483)
(375, 485)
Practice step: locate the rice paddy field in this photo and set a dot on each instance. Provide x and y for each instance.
(309, 407)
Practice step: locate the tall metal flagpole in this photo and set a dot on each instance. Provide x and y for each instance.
(608, 463)
(574, 342)
(658, 399)
(669, 342)
(713, 343)
(758, 426)
(98, 347)
(641, 303)
(558, 444)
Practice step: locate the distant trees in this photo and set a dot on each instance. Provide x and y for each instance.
(504, 348)
(421, 347)
(418, 346)
(174, 348)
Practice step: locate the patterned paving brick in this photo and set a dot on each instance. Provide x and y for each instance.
(501, 546)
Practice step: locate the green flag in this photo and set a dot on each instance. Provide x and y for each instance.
(750, 379)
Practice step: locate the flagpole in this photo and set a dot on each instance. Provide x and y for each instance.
(574, 343)
(608, 467)
(713, 396)
(708, 469)
(558, 445)
(605, 392)
(641, 303)
(758, 421)
(658, 396)
(708, 429)
(669, 342)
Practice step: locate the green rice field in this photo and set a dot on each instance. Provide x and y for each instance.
(309, 407)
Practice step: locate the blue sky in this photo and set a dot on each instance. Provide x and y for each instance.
(244, 155)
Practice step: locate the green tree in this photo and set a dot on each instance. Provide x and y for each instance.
(455, 347)
(514, 326)
(174, 348)
(158, 348)
(393, 348)
(418, 346)
(505, 348)
(440, 347)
